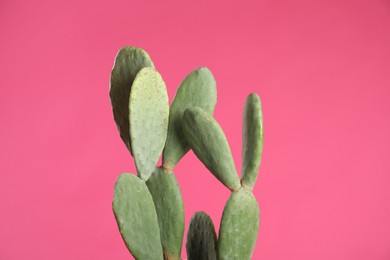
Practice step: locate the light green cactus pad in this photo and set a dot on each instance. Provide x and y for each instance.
(252, 140)
(201, 238)
(239, 226)
(168, 201)
(136, 218)
(209, 143)
(149, 111)
(128, 62)
(197, 89)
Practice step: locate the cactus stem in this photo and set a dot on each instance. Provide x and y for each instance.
(167, 168)
(168, 256)
(243, 185)
(235, 189)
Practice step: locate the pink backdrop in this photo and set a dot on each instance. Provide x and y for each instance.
(322, 69)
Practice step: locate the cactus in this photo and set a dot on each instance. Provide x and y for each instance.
(128, 62)
(149, 208)
(209, 143)
(201, 238)
(239, 226)
(252, 140)
(136, 217)
(198, 89)
(148, 127)
(167, 199)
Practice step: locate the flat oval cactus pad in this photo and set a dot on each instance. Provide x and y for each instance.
(239, 226)
(136, 218)
(128, 62)
(168, 201)
(201, 238)
(209, 143)
(148, 115)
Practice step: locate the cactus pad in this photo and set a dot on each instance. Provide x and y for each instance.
(136, 218)
(148, 117)
(201, 238)
(128, 62)
(197, 89)
(168, 201)
(207, 140)
(239, 226)
(252, 140)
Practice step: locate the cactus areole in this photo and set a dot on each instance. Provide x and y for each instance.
(148, 206)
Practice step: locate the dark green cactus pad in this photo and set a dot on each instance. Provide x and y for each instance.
(136, 218)
(149, 111)
(168, 201)
(252, 140)
(201, 238)
(239, 226)
(128, 62)
(197, 89)
(207, 140)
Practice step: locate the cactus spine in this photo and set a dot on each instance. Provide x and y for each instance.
(149, 208)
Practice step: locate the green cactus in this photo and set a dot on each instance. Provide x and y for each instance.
(167, 199)
(148, 127)
(128, 62)
(239, 226)
(201, 238)
(136, 217)
(198, 89)
(252, 140)
(149, 208)
(210, 145)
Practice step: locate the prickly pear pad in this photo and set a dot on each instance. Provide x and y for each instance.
(136, 217)
(252, 140)
(198, 89)
(209, 143)
(128, 62)
(168, 201)
(201, 238)
(148, 115)
(239, 226)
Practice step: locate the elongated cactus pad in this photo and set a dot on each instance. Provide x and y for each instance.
(207, 140)
(197, 89)
(252, 140)
(168, 201)
(136, 218)
(239, 226)
(201, 238)
(149, 111)
(128, 62)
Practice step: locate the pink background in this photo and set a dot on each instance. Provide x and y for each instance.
(322, 69)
